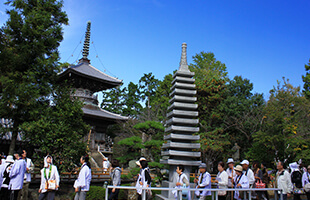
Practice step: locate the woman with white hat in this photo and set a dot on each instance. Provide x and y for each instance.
(5, 172)
(240, 181)
(49, 179)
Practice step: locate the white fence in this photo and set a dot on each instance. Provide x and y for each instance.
(214, 192)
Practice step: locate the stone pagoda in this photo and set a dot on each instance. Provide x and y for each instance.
(179, 147)
(87, 80)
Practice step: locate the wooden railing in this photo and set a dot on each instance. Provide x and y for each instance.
(98, 174)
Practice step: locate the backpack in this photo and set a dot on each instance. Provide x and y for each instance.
(6, 175)
(296, 179)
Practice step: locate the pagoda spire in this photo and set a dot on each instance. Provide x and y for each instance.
(183, 62)
(86, 43)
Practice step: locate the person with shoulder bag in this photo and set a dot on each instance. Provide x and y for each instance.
(240, 181)
(5, 172)
(115, 178)
(306, 182)
(49, 179)
(203, 182)
(296, 178)
(182, 182)
(144, 179)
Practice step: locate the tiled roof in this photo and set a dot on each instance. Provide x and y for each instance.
(100, 113)
(84, 69)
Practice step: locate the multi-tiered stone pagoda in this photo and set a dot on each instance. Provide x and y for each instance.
(180, 146)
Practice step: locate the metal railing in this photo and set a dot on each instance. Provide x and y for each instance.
(214, 192)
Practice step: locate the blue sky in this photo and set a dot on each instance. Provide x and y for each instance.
(258, 39)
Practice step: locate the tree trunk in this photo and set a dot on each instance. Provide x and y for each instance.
(13, 140)
(143, 153)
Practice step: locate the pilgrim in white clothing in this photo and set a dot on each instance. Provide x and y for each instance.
(82, 183)
(244, 183)
(48, 172)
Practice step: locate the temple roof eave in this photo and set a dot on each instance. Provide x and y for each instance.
(103, 114)
(111, 81)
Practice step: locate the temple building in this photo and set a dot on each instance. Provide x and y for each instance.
(87, 80)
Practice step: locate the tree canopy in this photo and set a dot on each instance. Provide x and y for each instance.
(37, 105)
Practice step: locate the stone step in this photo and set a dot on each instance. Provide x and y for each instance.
(182, 113)
(181, 145)
(183, 92)
(176, 136)
(189, 86)
(177, 98)
(176, 120)
(181, 153)
(183, 106)
(180, 162)
(174, 128)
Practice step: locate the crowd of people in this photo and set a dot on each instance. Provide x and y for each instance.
(293, 181)
(15, 176)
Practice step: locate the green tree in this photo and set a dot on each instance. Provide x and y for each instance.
(59, 130)
(210, 79)
(284, 134)
(113, 100)
(160, 100)
(147, 87)
(306, 80)
(242, 112)
(152, 146)
(146, 141)
(132, 147)
(131, 101)
(28, 59)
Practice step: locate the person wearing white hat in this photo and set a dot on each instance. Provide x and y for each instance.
(240, 181)
(49, 173)
(203, 182)
(4, 173)
(231, 174)
(248, 172)
(138, 162)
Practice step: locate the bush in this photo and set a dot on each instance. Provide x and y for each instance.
(95, 193)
